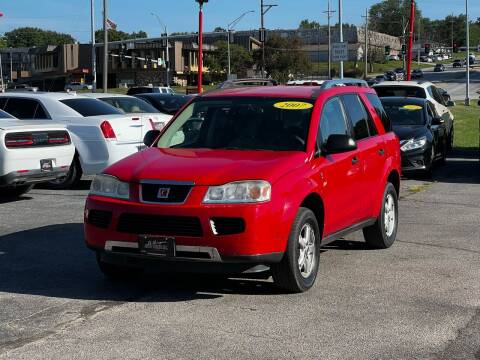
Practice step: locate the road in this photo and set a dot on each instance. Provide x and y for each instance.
(453, 80)
(418, 299)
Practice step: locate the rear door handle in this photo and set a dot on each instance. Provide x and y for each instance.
(354, 160)
(381, 151)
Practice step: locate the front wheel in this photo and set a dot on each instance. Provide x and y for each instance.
(298, 269)
(382, 233)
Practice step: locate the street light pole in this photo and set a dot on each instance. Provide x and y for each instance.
(340, 29)
(410, 39)
(230, 27)
(467, 95)
(105, 46)
(263, 10)
(200, 44)
(167, 55)
(329, 15)
(366, 42)
(94, 55)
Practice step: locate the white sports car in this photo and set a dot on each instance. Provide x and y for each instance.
(101, 133)
(31, 153)
(134, 106)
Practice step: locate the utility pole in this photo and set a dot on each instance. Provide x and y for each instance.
(105, 46)
(329, 16)
(410, 39)
(94, 55)
(451, 21)
(340, 29)
(230, 27)
(1, 73)
(200, 44)
(263, 10)
(366, 42)
(467, 95)
(166, 45)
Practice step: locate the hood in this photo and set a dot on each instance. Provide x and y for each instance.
(206, 167)
(405, 132)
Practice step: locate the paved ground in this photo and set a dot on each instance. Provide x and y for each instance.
(419, 299)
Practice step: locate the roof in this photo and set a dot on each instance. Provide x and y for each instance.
(41, 94)
(406, 100)
(303, 92)
(422, 84)
(105, 95)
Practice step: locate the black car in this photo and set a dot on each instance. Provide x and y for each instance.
(458, 63)
(166, 103)
(417, 74)
(391, 75)
(422, 132)
(439, 68)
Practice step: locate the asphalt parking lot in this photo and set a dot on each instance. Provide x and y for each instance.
(419, 299)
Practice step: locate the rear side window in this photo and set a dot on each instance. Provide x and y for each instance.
(332, 121)
(25, 109)
(377, 104)
(91, 107)
(358, 116)
(436, 94)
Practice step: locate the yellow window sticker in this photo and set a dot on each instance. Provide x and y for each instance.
(412, 107)
(293, 105)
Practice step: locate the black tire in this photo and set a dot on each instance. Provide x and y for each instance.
(70, 180)
(14, 191)
(287, 274)
(450, 140)
(376, 235)
(117, 272)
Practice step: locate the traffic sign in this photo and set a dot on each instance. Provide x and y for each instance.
(340, 51)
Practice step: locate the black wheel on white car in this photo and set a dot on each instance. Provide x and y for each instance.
(298, 269)
(71, 179)
(14, 191)
(382, 233)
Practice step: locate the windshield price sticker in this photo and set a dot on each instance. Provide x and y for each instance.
(412, 107)
(293, 105)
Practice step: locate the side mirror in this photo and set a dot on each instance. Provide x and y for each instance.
(339, 144)
(450, 103)
(437, 121)
(150, 137)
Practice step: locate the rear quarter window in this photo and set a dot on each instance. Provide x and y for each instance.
(377, 104)
(91, 107)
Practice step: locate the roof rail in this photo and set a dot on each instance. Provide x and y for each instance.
(343, 82)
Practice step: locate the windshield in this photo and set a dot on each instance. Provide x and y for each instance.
(402, 91)
(241, 123)
(130, 105)
(90, 107)
(405, 114)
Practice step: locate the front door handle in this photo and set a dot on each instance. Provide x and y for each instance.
(381, 151)
(354, 160)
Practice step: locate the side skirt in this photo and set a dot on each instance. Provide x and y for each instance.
(358, 226)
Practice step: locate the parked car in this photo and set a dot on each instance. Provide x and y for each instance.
(31, 153)
(76, 86)
(251, 179)
(422, 133)
(305, 82)
(392, 58)
(458, 63)
(101, 133)
(426, 58)
(150, 89)
(439, 68)
(424, 90)
(21, 88)
(251, 82)
(417, 74)
(135, 107)
(392, 76)
(166, 104)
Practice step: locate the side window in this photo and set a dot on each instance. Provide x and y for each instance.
(3, 101)
(437, 96)
(377, 104)
(332, 121)
(358, 116)
(22, 108)
(431, 110)
(40, 113)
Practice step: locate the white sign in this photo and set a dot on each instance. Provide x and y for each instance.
(340, 51)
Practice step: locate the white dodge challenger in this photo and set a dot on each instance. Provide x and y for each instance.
(31, 153)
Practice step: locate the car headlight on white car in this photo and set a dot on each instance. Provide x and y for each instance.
(413, 144)
(110, 186)
(253, 191)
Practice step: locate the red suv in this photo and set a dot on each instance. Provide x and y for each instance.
(251, 179)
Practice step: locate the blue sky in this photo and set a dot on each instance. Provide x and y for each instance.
(73, 16)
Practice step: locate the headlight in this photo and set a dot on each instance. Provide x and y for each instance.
(413, 144)
(110, 186)
(239, 192)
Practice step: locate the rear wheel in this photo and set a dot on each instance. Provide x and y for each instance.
(70, 180)
(14, 191)
(298, 269)
(382, 233)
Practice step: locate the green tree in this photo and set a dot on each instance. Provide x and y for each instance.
(30, 36)
(117, 35)
(240, 59)
(391, 16)
(283, 57)
(307, 24)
